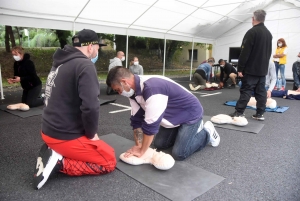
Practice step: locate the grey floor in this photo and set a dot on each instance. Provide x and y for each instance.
(262, 166)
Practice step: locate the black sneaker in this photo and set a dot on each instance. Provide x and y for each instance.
(259, 117)
(232, 86)
(47, 160)
(237, 114)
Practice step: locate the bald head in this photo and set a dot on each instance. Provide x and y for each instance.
(120, 54)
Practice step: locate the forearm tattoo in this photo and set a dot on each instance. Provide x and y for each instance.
(138, 135)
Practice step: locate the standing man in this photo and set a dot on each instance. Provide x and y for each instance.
(71, 114)
(164, 109)
(227, 71)
(296, 74)
(117, 61)
(253, 66)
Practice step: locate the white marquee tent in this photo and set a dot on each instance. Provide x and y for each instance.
(222, 23)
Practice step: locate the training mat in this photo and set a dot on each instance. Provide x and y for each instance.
(103, 101)
(278, 109)
(251, 127)
(183, 182)
(32, 112)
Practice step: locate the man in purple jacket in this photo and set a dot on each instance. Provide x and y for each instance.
(164, 109)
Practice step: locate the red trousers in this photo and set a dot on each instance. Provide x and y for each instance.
(83, 156)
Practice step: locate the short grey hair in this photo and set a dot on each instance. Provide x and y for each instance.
(259, 15)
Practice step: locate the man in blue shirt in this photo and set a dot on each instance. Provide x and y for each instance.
(202, 75)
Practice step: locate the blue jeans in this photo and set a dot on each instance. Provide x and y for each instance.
(185, 139)
(280, 67)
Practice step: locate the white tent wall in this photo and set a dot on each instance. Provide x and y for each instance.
(283, 20)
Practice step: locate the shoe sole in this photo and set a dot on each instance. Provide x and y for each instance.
(215, 134)
(259, 119)
(50, 160)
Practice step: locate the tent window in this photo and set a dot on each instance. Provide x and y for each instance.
(195, 55)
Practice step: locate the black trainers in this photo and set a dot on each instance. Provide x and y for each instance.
(237, 114)
(47, 160)
(259, 117)
(232, 86)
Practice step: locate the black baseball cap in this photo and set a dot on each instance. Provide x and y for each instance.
(86, 37)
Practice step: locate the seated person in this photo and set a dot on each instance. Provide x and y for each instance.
(270, 79)
(227, 71)
(25, 73)
(165, 110)
(296, 74)
(135, 67)
(202, 74)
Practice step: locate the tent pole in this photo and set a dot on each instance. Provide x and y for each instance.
(126, 48)
(1, 84)
(192, 59)
(164, 66)
(78, 16)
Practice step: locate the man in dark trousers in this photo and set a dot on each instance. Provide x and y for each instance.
(227, 71)
(253, 66)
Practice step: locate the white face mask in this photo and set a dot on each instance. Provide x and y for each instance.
(136, 63)
(298, 59)
(127, 93)
(279, 44)
(17, 58)
(123, 59)
(222, 65)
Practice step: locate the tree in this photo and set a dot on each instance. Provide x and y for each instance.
(62, 37)
(9, 35)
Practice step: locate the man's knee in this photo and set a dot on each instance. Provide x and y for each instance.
(178, 156)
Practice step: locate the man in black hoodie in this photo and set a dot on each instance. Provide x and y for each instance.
(71, 114)
(253, 66)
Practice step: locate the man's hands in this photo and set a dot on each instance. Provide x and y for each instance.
(268, 94)
(134, 151)
(298, 90)
(240, 74)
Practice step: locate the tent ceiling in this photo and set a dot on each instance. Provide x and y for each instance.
(201, 20)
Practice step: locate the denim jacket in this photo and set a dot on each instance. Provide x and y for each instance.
(207, 69)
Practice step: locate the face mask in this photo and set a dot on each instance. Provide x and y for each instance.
(279, 44)
(136, 63)
(127, 93)
(298, 59)
(95, 58)
(17, 58)
(222, 65)
(123, 59)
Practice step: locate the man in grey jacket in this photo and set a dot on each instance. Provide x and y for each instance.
(71, 114)
(117, 61)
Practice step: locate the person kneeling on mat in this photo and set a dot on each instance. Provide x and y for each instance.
(71, 114)
(202, 75)
(25, 73)
(164, 112)
(227, 71)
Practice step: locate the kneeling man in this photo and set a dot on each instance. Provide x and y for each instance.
(163, 111)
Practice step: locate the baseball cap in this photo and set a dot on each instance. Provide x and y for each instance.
(86, 37)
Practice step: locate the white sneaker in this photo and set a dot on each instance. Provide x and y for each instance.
(214, 136)
(46, 162)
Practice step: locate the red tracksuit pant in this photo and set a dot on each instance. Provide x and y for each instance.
(83, 156)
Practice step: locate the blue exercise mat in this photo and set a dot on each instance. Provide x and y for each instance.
(277, 109)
